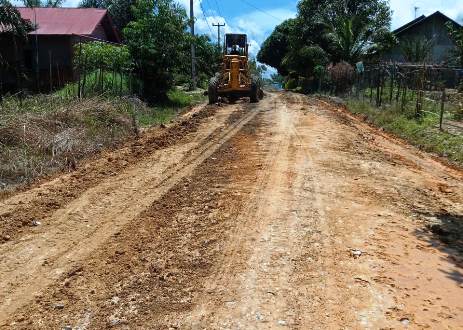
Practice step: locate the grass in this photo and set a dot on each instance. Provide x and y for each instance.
(42, 134)
(431, 101)
(97, 83)
(423, 132)
(165, 112)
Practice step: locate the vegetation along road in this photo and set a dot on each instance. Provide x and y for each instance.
(287, 213)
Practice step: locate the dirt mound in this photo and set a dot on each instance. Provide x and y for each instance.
(92, 171)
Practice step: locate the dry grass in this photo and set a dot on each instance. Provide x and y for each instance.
(47, 135)
(43, 134)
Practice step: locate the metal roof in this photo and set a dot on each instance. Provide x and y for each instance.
(64, 21)
(422, 19)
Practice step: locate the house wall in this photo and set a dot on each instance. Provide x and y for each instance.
(432, 28)
(99, 32)
(54, 57)
(11, 59)
(54, 50)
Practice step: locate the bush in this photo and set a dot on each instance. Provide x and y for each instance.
(291, 84)
(342, 76)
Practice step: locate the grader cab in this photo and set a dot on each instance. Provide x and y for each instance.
(235, 80)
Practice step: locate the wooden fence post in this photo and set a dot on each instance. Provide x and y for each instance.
(371, 86)
(399, 86)
(442, 108)
(79, 87)
(391, 91)
(381, 81)
(58, 75)
(84, 80)
(404, 96)
(51, 70)
(378, 83)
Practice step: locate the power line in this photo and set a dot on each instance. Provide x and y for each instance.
(261, 10)
(218, 8)
(218, 25)
(218, 11)
(205, 18)
(209, 5)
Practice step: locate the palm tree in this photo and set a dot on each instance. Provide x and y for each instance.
(352, 38)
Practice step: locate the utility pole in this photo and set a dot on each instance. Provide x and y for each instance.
(416, 11)
(193, 55)
(218, 33)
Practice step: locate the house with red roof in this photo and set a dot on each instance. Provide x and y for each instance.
(56, 32)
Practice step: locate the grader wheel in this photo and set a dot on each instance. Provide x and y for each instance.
(212, 90)
(254, 97)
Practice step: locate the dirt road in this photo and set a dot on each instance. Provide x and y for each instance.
(286, 214)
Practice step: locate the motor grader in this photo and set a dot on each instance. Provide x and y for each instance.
(235, 81)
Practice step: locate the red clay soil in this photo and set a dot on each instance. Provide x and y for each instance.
(290, 213)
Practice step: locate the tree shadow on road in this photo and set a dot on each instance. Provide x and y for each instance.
(444, 231)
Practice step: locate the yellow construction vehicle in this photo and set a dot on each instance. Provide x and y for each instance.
(235, 80)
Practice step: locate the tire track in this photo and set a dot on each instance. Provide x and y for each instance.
(239, 242)
(35, 262)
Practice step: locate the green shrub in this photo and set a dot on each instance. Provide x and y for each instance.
(291, 84)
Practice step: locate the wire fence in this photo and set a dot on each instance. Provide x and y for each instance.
(50, 69)
(419, 90)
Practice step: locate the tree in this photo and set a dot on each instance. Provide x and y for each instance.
(208, 58)
(456, 33)
(39, 3)
(256, 69)
(349, 30)
(304, 60)
(103, 4)
(153, 39)
(119, 10)
(328, 31)
(12, 24)
(276, 46)
(11, 21)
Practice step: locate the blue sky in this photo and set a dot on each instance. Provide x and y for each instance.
(257, 18)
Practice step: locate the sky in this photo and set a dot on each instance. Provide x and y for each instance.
(258, 18)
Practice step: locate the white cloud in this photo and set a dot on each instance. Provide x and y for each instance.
(257, 25)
